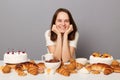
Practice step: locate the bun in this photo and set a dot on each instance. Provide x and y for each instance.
(11, 65)
(6, 69)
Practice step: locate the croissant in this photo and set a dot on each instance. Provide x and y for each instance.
(67, 69)
(72, 65)
(41, 67)
(100, 67)
(79, 66)
(33, 70)
(20, 68)
(63, 71)
(115, 63)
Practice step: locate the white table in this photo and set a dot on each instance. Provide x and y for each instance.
(78, 76)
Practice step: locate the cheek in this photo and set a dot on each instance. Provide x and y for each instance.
(67, 27)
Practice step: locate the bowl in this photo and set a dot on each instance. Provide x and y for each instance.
(94, 60)
(54, 65)
(51, 67)
(82, 60)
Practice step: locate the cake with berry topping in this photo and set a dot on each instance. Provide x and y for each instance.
(13, 57)
(97, 57)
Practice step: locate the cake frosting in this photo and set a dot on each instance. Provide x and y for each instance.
(15, 57)
(107, 60)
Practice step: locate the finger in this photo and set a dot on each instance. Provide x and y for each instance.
(71, 26)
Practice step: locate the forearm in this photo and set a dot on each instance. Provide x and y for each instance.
(66, 54)
(58, 48)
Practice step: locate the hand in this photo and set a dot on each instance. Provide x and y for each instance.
(70, 29)
(54, 29)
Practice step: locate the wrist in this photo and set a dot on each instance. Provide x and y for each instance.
(65, 36)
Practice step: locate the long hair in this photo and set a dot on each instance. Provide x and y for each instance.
(71, 36)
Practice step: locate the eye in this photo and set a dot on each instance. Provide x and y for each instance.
(67, 21)
(59, 20)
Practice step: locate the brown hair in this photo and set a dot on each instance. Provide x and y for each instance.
(71, 35)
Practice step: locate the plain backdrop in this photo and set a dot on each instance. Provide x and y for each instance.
(24, 22)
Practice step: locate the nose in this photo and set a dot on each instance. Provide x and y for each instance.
(63, 23)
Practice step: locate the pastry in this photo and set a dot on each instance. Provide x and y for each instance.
(100, 67)
(79, 66)
(96, 54)
(41, 67)
(11, 65)
(106, 55)
(6, 69)
(67, 69)
(1, 67)
(32, 68)
(115, 63)
(63, 71)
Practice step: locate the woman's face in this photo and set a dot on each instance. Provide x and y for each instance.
(62, 22)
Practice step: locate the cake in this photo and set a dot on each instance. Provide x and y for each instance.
(97, 57)
(15, 57)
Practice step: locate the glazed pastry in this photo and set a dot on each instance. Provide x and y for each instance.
(79, 66)
(1, 67)
(95, 72)
(67, 69)
(72, 65)
(115, 63)
(41, 67)
(6, 69)
(117, 69)
(32, 68)
(96, 54)
(11, 65)
(20, 70)
(63, 71)
(106, 55)
(100, 67)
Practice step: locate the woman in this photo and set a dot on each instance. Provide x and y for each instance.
(62, 37)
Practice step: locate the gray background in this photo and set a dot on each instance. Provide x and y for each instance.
(24, 22)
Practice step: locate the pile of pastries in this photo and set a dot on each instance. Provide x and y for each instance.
(65, 69)
(31, 67)
(94, 68)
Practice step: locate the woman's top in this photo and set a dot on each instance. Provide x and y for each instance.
(49, 42)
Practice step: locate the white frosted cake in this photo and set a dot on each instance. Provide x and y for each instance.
(98, 58)
(15, 57)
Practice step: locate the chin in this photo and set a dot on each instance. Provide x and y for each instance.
(62, 32)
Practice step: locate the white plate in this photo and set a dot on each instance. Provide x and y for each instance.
(118, 60)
